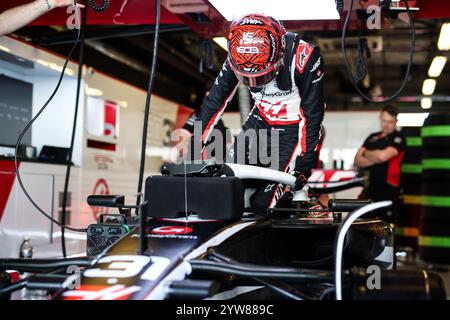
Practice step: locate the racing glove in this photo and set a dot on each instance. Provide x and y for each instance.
(302, 177)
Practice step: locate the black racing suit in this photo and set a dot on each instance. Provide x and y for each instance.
(292, 104)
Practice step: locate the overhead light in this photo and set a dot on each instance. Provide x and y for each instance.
(426, 103)
(123, 103)
(444, 37)
(4, 49)
(50, 65)
(437, 65)
(70, 72)
(94, 92)
(222, 42)
(55, 67)
(411, 119)
(44, 63)
(279, 9)
(428, 87)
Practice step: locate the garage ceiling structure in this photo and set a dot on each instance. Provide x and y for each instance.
(119, 42)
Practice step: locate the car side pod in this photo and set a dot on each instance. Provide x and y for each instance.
(396, 285)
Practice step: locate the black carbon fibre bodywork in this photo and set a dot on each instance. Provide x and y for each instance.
(121, 273)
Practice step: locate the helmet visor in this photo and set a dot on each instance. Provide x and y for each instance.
(257, 79)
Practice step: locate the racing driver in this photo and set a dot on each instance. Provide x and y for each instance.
(284, 75)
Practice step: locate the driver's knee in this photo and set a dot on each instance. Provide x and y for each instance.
(260, 201)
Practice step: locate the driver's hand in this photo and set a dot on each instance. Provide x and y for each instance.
(301, 181)
(64, 3)
(302, 177)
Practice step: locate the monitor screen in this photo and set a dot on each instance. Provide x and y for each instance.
(16, 99)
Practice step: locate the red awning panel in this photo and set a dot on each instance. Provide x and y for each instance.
(119, 12)
(433, 9)
(139, 12)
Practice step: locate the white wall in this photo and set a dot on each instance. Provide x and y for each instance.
(345, 133)
(54, 126)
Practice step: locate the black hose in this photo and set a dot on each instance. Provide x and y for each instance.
(313, 263)
(147, 103)
(41, 265)
(254, 271)
(72, 140)
(212, 253)
(14, 287)
(205, 56)
(361, 65)
(410, 60)
(285, 290)
(25, 130)
(326, 292)
(331, 189)
(281, 288)
(215, 256)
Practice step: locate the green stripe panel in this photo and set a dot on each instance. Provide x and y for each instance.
(430, 201)
(413, 141)
(439, 242)
(436, 131)
(436, 201)
(436, 164)
(411, 168)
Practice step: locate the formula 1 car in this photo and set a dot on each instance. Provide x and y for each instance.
(194, 239)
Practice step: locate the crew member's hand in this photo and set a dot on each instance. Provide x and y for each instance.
(63, 3)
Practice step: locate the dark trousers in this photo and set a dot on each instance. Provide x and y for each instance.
(256, 139)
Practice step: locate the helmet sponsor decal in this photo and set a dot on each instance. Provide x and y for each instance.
(248, 50)
(251, 21)
(273, 45)
(248, 38)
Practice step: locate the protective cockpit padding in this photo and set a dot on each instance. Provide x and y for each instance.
(220, 198)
